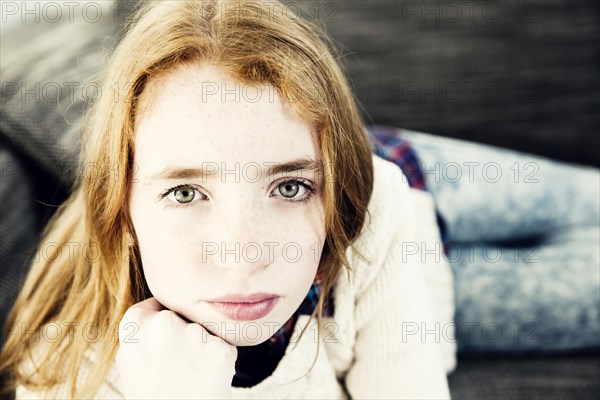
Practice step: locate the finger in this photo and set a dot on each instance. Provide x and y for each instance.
(204, 328)
(150, 304)
(214, 335)
(143, 310)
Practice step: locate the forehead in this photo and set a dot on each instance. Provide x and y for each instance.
(197, 114)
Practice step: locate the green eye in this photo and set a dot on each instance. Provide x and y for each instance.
(289, 189)
(184, 195)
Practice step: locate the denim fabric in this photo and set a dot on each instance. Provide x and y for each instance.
(523, 239)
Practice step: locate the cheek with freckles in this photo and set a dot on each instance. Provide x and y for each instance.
(181, 281)
(180, 270)
(181, 274)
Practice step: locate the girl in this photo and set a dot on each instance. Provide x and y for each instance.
(237, 237)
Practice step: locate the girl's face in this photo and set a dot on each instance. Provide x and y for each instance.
(226, 201)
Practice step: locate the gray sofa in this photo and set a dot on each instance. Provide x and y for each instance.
(521, 75)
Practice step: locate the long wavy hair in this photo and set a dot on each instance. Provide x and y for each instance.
(97, 284)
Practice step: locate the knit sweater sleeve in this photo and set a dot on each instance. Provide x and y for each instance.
(393, 355)
(107, 390)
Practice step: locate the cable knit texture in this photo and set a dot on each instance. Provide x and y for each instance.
(374, 345)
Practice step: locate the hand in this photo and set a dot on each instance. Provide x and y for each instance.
(171, 358)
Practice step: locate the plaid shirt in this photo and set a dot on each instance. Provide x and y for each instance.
(389, 144)
(257, 362)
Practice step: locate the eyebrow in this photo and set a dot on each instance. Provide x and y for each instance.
(292, 166)
(174, 173)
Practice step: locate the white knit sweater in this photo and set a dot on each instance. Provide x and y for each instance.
(374, 345)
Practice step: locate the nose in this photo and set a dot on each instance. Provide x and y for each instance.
(240, 240)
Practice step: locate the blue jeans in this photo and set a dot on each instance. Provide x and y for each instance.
(522, 235)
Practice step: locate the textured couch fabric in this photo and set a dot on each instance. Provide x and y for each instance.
(552, 377)
(40, 129)
(405, 65)
(517, 74)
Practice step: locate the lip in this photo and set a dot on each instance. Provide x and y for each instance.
(245, 307)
